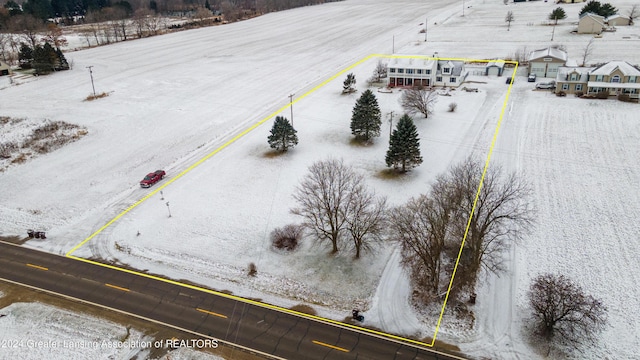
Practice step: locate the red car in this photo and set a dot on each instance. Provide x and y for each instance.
(152, 178)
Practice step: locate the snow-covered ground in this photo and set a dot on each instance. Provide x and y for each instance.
(175, 98)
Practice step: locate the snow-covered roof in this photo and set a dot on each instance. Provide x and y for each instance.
(571, 63)
(548, 52)
(592, 16)
(564, 71)
(606, 69)
(603, 84)
(412, 63)
(498, 63)
(617, 16)
(456, 66)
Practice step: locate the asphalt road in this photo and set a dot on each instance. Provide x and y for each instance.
(264, 330)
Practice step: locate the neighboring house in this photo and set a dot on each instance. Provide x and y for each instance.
(426, 72)
(4, 69)
(618, 20)
(494, 68)
(545, 62)
(571, 80)
(614, 77)
(591, 23)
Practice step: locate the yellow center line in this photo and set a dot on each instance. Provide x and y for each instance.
(330, 346)
(211, 313)
(117, 287)
(37, 267)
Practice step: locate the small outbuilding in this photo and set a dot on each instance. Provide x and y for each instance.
(5, 69)
(591, 23)
(618, 20)
(494, 68)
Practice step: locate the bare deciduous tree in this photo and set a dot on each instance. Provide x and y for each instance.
(509, 18)
(586, 52)
(419, 100)
(323, 196)
(380, 71)
(633, 13)
(501, 214)
(563, 311)
(333, 199)
(365, 218)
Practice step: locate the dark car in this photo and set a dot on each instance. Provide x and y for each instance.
(508, 81)
(531, 78)
(152, 178)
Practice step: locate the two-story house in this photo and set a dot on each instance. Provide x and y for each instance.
(425, 72)
(614, 77)
(545, 62)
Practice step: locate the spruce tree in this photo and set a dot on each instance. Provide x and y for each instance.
(404, 146)
(366, 117)
(349, 83)
(283, 135)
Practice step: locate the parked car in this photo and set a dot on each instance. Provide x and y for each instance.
(508, 80)
(152, 178)
(531, 78)
(546, 86)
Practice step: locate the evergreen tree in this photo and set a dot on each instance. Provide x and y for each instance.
(283, 135)
(366, 117)
(557, 14)
(61, 63)
(25, 56)
(404, 146)
(349, 83)
(592, 7)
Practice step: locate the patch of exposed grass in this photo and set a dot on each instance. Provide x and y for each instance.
(390, 174)
(305, 309)
(96, 96)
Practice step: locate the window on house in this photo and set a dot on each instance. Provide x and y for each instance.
(419, 71)
(428, 71)
(400, 71)
(578, 87)
(452, 79)
(632, 79)
(409, 71)
(392, 70)
(439, 78)
(615, 79)
(409, 82)
(445, 70)
(565, 87)
(574, 77)
(599, 77)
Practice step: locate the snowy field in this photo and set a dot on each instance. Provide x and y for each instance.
(177, 97)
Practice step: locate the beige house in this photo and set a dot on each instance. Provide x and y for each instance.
(545, 62)
(618, 20)
(614, 77)
(591, 23)
(4, 69)
(426, 72)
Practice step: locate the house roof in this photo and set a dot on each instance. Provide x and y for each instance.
(498, 63)
(564, 71)
(610, 85)
(548, 52)
(412, 63)
(456, 66)
(617, 16)
(593, 16)
(606, 69)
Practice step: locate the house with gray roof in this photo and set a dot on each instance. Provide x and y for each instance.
(545, 62)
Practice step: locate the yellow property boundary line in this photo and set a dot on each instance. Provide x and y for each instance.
(252, 127)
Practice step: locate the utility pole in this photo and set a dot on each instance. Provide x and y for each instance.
(91, 74)
(425, 29)
(291, 106)
(393, 45)
(168, 209)
(553, 32)
(462, 7)
(390, 125)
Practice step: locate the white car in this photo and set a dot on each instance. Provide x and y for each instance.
(546, 86)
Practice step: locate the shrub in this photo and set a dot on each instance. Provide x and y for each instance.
(452, 107)
(625, 98)
(602, 95)
(579, 94)
(253, 270)
(287, 237)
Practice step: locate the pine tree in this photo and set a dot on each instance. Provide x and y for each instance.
(283, 135)
(349, 83)
(557, 14)
(404, 146)
(366, 117)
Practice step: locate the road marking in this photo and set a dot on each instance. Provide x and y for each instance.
(329, 346)
(117, 287)
(37, 267)
(211, 313)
